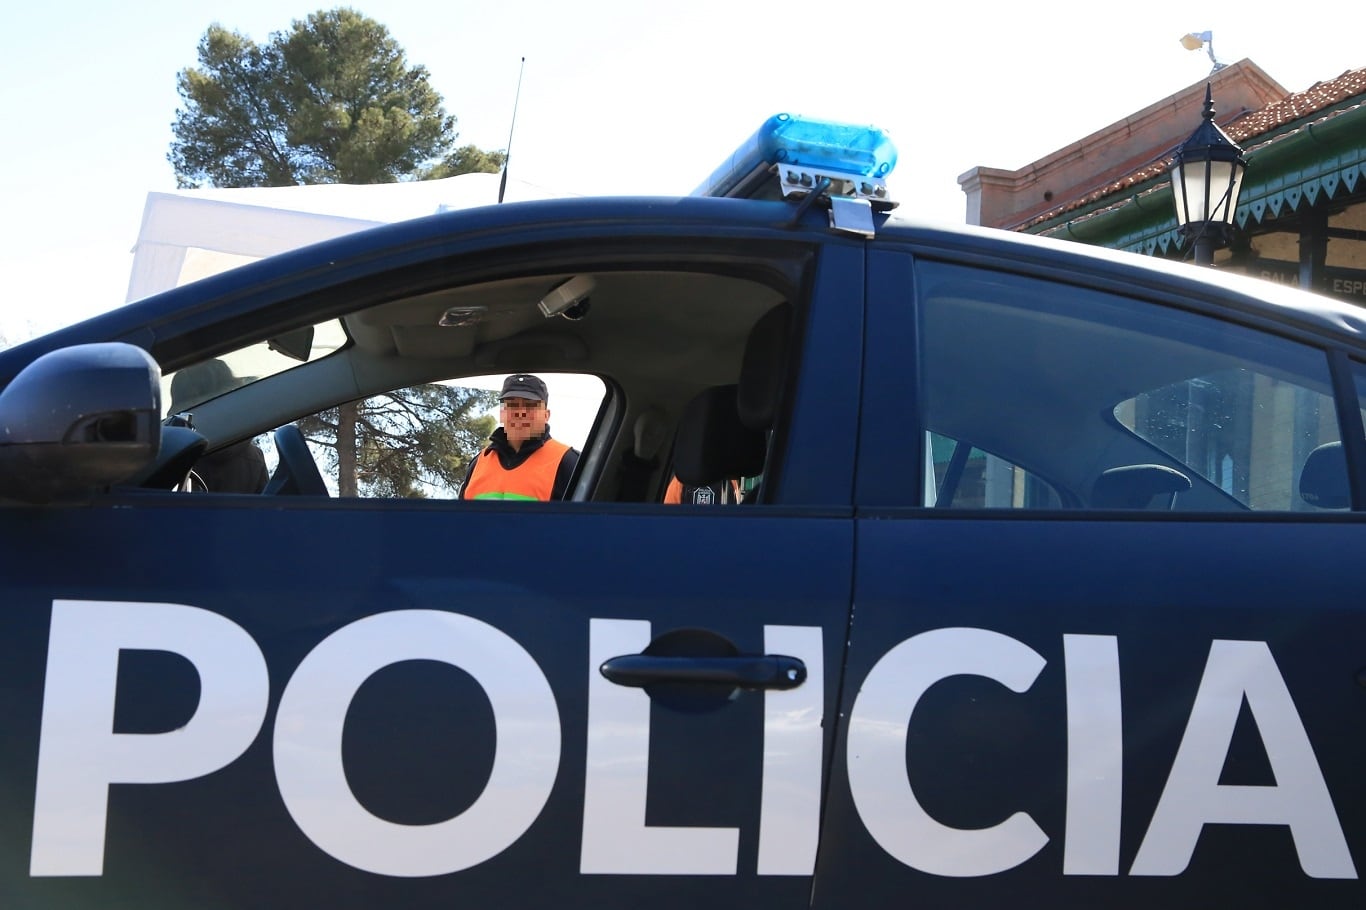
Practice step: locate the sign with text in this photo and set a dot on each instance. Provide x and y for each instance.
(1345, 284)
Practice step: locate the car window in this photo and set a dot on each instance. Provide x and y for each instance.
(1241, 429)
(644, 366)
(965, 477)
(1118, 402)
(1359, 372)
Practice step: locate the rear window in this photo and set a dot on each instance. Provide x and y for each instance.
(1244, 431)
(201, 382)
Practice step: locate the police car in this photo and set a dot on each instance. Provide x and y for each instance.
(1041, 592)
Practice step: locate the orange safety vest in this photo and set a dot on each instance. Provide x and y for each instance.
(531, 481)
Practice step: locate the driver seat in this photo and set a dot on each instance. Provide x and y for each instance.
(713, 443)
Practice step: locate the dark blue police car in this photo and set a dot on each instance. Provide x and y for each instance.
(1041, 592)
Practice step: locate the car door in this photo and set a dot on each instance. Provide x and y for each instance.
(1058, 695)
(229, 700)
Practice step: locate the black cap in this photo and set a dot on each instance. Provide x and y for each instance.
(524, 385)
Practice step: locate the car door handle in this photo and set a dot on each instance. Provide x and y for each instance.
(763, 671)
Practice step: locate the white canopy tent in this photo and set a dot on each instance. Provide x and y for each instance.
(191, 234)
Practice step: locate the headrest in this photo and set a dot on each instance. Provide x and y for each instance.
(764, 368)
(198, 382)
(1134, 486)
(1323, 481)
(649, 433)
(712, 442)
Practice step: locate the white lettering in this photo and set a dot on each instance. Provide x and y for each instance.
(308, 741)
(616, 839)
(80, 755)
(1194, 797)
(878, 778)
(789, 820)
(1095, 755)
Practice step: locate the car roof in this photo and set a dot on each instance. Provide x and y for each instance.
(1238, 293)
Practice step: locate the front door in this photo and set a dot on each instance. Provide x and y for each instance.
(295, 701)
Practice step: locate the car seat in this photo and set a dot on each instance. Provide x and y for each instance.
(712, 441)
(1323, 479)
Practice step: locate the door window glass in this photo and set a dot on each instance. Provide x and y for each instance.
(1119, 403)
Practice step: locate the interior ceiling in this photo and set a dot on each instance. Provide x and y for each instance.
(662, 323)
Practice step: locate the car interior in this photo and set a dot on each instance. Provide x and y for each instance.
(669, 345)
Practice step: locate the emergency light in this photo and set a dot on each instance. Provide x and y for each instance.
(800, 152)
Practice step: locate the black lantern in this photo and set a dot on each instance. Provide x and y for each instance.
(1206, 177)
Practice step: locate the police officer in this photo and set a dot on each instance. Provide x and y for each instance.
(521, 461)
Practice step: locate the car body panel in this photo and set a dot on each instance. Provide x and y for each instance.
(304, 699)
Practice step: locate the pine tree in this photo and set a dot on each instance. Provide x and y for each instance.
(334, 100)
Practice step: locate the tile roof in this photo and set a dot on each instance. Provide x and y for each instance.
(1294, 107)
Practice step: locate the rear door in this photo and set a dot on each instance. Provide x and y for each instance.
(254, 701)
(1074, 679)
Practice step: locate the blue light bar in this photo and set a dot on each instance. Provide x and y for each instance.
(857, 154)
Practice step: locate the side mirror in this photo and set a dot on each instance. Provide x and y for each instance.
(77, 420)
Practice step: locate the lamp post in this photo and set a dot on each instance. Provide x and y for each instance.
(1206, 177)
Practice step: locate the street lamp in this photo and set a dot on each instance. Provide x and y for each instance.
(1206, 176)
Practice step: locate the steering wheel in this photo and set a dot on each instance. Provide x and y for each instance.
(297, 473)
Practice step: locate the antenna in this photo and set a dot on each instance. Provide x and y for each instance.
(507, 156)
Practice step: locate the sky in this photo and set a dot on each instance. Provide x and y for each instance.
(617, 97)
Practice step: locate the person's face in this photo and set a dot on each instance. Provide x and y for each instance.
(523, 419)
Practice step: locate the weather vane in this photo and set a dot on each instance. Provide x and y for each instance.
(1193, 41)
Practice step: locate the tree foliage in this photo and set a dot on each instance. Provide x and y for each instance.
(413, 442)
(468, 159)
(331, 100)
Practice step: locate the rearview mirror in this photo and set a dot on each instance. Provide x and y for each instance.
(296, 344)
(77, 420)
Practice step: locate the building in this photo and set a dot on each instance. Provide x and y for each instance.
(1301, 216)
